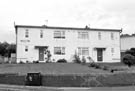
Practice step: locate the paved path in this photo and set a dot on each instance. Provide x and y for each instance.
(41, 88)
(101, 89)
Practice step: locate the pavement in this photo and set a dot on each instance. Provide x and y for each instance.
(42, 88)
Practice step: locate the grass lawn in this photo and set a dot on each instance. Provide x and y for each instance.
(49, 68)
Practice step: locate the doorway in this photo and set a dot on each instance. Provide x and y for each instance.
(100, 54)
(41, 54)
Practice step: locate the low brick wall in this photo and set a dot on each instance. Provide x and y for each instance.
(72, 80)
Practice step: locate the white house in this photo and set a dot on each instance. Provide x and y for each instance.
(33, 42)
(127, 42)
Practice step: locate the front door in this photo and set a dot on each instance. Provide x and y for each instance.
(99, 54)
(41, 54)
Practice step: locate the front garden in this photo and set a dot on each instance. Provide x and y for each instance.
(77, 74)
(70, 74)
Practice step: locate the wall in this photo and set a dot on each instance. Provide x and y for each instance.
(127, 43)
(71, 42)
(78, 80)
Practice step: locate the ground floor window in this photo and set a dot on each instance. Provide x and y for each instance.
(83, 51)
(112, 51)
(59, 50)
(26, 48)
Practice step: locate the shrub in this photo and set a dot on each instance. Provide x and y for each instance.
(76, 59)
(62, 61)
(97, 66)
(105, 68)
(83, 60)
(128, 59)
(36, 61)
(21, 62)
(92, 64)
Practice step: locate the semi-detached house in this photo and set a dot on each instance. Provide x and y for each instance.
(101, 45)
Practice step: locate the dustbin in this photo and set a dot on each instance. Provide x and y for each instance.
(33, 79)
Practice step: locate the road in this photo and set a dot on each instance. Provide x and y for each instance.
(30, 88)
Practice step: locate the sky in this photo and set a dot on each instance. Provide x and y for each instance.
(112, 14)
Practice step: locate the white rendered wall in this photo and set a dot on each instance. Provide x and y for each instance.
(127, 43)
(71, 43)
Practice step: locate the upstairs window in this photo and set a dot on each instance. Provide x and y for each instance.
(99, 35)
(41, 33)
(112, 36)
(83, 51)
(26, 33)
(59, 34)
(59, 50)
(83, 35)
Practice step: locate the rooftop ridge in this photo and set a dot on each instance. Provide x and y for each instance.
(72, 28)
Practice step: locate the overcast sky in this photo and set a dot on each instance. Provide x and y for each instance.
(114, 14)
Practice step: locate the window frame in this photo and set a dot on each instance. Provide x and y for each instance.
(26, 33)
(83, 51)
(112, 51)
(59, 50)
(112, 36)
(26, 48)
(41, 33)
(59, 34)
(99, 35)
(83, 35)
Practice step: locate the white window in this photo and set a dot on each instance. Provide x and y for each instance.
(59, 34)
(83, 51)
(41, 33)
(26, 48)
(112, 36)
(99, 35)
(59, 50)
(26, 33)
(83, 35)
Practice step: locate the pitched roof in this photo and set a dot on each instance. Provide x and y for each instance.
(69, 28)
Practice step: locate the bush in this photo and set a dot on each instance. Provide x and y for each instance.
(83, 60)
(36, 61)
(97, 66)
(21, 62)
(62, 61)
(128, 59)
(105, 68)
(92, 64)
(76, 59)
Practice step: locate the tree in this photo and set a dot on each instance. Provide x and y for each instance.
(6, 49)
(76, 58)
(11, 49)
(128, 59)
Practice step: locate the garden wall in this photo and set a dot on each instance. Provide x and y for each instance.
(82, 80)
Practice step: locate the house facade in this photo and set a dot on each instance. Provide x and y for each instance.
(34, 43)
(127, 42)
